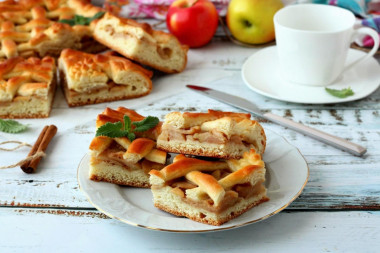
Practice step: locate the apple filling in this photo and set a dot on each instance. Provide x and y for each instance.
(196, 134)
(239, 192)
(210, 191)
(115, 154)
(164, 52)
(109, 86)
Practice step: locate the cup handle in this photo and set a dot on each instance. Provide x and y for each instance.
(375, 37)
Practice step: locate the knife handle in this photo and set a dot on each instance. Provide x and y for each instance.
(335, 141)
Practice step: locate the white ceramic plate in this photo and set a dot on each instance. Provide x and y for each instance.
(287, 174)
(261, 73)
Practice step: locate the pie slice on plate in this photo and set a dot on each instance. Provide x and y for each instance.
(211, 192)
(213, 134)
(121, 161)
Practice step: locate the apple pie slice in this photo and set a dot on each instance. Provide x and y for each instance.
(213, 134)
(211, 192)
(141, 43)
(27, 87)
(36, 27)
(121, 161)
(97, 78)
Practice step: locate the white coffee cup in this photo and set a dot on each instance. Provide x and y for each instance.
(313, 41)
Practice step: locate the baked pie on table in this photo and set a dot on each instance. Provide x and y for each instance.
(139, 42)
(27, 87)
(96, 78)
(212, 134)
(121, 161)
(211, 192)
(31, 27)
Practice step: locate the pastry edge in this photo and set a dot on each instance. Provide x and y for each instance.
(225, 217)
(97, 173)
(85, 97)
(223, 151)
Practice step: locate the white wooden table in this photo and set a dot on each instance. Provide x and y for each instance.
(338, 210)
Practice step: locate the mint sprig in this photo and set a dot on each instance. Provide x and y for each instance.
(81, 20)
(11, 126)
(146, 124)
(343, 93)
(128, 129)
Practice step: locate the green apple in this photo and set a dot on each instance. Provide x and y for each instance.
(251, 21)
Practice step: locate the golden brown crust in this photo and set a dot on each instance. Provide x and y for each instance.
(27, 87)
(208, 184)
(69, 94)
(133, 115)
(213, 134)
(84, 7)
(120, 161)
(30, 27)
(141, 43)
(190, 119)
(138, 149)
(81, 62)
(100, 143)
(120, 182)
(184, 165)
(212, 114)
(211, 221)
(96, 78)
(111, 115)
(206, 193)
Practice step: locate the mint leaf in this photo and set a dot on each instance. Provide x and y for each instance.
(145, 124)
(343, 93)
(112, 130)
(127, 123)
(131, 136)
(70, 22)
(81, 20)
(117, 130)
(97, 15)
(112, 3)
(11, 126)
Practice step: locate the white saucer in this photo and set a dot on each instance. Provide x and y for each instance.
(261, 74)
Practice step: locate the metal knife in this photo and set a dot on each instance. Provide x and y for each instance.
(246, 105)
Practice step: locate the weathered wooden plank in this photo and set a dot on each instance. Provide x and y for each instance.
(360, 126)
(54, 185)
(235, 86)
(341, 183)
(47, 210)
(80, 231)
(337, 182)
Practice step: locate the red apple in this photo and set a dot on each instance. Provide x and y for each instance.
(193, 22)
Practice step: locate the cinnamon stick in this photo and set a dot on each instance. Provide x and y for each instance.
(40, 145)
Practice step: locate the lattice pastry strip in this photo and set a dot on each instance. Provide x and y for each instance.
(121, 161)
(26, 87)
(97, 78)
(213, 134)
(210, 191)
(30, 28)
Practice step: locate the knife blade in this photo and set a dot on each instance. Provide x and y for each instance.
(248, 106)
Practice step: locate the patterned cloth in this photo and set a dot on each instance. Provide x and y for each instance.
(367, 12)
(151, 8)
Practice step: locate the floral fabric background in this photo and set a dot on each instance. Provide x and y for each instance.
(150, 8)
(366, 11)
